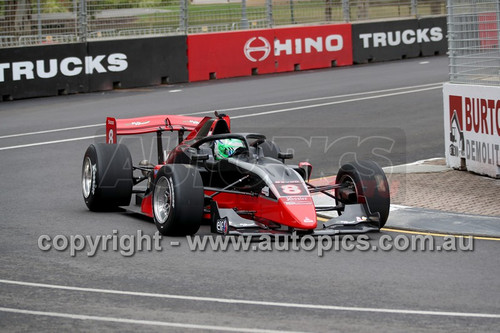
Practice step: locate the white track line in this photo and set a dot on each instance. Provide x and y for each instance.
(51, 131)
(333, 103)
(137, 322)
(51, 142)
(252, 114)
(260, 303)
(437, 85)
(236, 108)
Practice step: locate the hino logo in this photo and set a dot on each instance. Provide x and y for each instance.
(331, 43)
(264, 48)
(395, 38)
(70, 66)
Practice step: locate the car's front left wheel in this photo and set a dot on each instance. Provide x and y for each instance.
(178, 200)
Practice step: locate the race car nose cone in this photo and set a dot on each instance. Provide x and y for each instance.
(299, 212)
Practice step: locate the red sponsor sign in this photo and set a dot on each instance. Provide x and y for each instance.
(313, 47)
(456, 113)
(488, 30)
(242, 53)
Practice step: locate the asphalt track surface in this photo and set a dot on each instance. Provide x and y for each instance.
(177, 289)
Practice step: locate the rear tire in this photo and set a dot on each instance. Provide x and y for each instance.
(369, 182)
(178, 200)
(107, 176)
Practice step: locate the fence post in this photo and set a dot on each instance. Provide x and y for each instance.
(328, 10)
(292, 12)
(183, 17)
(39, 20)
(244, 18)
(413, 8)
(269, 13)
(451, 42)
(82, 22)
(346, 11)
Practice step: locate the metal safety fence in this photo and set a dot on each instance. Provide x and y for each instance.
(38, 22)
(474, 38)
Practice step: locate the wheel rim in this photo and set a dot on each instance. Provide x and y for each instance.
(87, 177)
(162, 199)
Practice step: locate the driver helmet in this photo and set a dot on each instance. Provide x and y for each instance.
(225, 148)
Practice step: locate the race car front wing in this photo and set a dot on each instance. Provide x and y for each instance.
(355, 219)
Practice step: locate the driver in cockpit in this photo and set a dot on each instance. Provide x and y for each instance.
(226, 148)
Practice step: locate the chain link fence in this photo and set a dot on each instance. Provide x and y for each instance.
(38, 22)
(474, 35)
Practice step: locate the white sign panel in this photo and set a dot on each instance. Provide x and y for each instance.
(472, 127)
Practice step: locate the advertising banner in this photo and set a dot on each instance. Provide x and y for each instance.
(243, 53)
(84, 67)
(394, 40)
(138, 62)
(435, 28)
(312, 47)
(472, 128)
(43, 71)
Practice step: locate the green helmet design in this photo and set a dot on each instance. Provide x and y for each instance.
(225, 148)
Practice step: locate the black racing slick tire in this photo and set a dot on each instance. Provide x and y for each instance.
(107, 176)
(178, 200)
(369, 182)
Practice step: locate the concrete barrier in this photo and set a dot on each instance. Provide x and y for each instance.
(399, 39)
(95, 66)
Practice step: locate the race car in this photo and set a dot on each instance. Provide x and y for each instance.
(239, 183)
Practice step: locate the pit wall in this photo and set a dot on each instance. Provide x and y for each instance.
(98, 66)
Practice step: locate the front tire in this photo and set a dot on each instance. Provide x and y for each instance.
(107, 176)
(178, 200)
(370, 184)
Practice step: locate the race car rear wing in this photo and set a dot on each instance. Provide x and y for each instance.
(149, 124)
(161, 123)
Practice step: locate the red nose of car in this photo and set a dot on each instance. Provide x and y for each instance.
(299, 212)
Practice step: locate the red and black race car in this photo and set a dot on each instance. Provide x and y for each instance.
(238, 182)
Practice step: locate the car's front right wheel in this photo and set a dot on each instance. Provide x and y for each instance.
(369, 184)
(107, 176)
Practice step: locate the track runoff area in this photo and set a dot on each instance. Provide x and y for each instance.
(22, 142)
